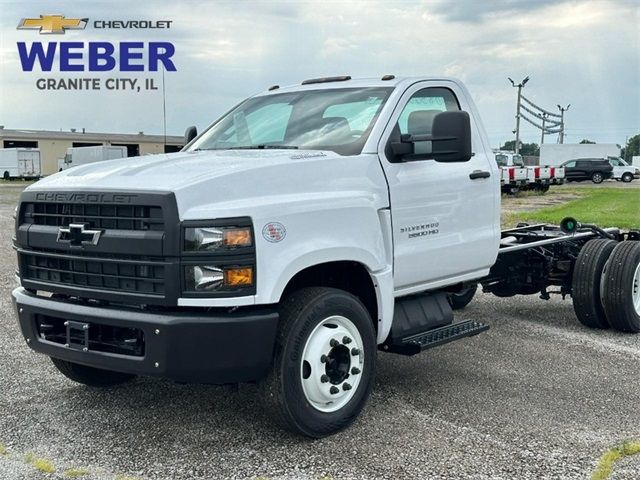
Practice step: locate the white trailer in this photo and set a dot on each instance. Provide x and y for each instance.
(82, 155)
(20, 163)
(635, 161)
(554, 154)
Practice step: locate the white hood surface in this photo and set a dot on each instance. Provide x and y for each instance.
(227, 180)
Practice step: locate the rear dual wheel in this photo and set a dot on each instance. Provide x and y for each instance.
(587, 278)
(606, 285)
(621, 287)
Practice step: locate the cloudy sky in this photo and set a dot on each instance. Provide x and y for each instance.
(583, 53)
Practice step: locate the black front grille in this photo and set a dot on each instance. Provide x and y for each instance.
(99, 338)
(140, 276)
(135, 260)
(101, 216)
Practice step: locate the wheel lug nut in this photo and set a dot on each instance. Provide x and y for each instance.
(346, 340)
(324, 378)
(355, 371)
(333, 390)
(333, 342)
(346, 386)
(323, 358)
(355, 352)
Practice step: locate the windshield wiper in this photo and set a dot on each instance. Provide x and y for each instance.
(264, 147)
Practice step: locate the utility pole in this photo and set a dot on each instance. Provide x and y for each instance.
(544, 121)
(562, 110)
(519, 86)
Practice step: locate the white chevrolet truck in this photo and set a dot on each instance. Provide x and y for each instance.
(304, 231)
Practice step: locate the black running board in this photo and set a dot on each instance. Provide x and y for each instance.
(433, 338)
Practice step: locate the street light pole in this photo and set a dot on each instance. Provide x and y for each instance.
(519, 86)
(562, 110)
(544, 120)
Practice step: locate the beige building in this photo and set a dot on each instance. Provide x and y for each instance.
(53, 145)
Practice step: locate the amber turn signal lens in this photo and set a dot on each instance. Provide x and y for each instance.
(238, 237)
(238, 277)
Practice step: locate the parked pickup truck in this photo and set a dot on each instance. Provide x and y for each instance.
(299, 234)
(513, 173)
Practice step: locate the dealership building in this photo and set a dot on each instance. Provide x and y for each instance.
(53, 144)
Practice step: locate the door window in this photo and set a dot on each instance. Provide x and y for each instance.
(419, 112)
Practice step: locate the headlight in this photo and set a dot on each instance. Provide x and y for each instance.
(210, 278)
(211, 239)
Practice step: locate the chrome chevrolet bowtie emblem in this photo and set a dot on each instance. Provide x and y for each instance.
(77, 235)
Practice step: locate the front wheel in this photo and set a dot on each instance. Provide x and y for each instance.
(597, 177)
(324, 362)
(90, 376)
(627, 177)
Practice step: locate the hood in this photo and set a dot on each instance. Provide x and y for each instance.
(170, 172)
(209, 184)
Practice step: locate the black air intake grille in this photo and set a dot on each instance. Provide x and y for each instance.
(141, 277)
(115, 217)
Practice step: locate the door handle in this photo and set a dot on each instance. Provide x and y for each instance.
(479, 174)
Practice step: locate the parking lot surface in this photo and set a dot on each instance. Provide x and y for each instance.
(537, 396)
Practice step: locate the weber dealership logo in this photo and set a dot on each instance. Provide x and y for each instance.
(95, 56)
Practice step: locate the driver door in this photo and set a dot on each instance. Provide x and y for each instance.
(446, 223)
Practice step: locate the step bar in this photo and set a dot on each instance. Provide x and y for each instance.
(436, 337)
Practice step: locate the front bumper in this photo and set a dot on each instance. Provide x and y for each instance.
(186, 346)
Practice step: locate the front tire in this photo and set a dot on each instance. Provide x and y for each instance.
(90, 376)
(627, 177)
(621, 287)
(324, 362)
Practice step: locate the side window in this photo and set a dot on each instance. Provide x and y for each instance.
(570, 164)
(417, 115)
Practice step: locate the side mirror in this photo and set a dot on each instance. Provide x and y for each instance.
(189, 134)
(450, 140)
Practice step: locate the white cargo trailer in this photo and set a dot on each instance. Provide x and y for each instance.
(635, 161)
(20, 163)
(82, 155)
(554, 154)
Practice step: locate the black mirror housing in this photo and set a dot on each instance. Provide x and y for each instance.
(452, 137)
(189, 134)
(450, 140)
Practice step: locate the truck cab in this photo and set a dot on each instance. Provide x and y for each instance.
(300, 232)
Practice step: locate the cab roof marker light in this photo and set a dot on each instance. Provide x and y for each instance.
(342, 78)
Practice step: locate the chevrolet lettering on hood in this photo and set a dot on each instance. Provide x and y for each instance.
(85, 197)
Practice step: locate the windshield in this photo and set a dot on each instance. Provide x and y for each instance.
(332, 119)
(517, 161)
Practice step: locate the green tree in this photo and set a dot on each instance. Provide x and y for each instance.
(632, 148)
(586, 140)
(525, 148)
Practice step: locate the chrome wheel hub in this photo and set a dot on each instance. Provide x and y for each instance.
(332, 363)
